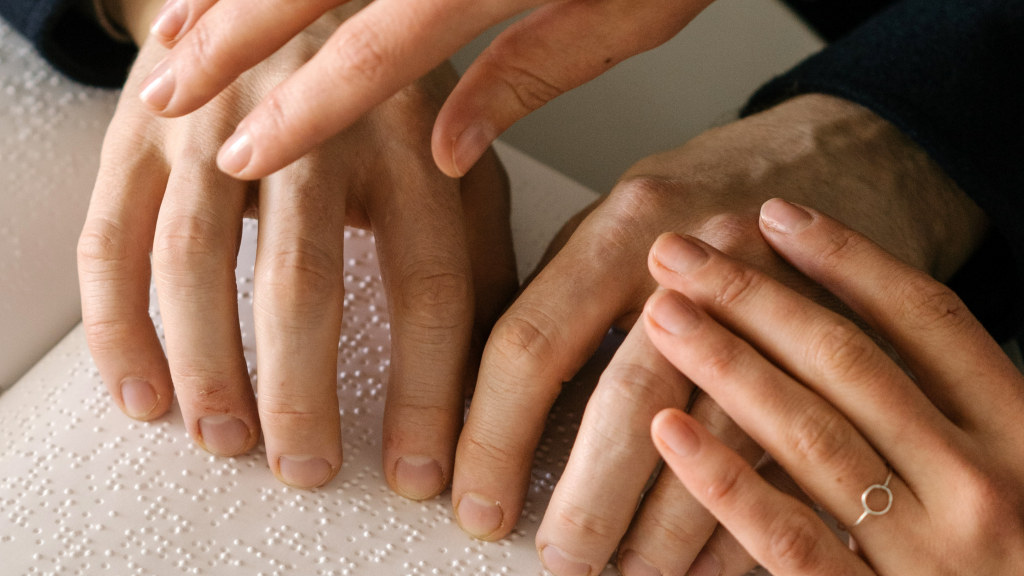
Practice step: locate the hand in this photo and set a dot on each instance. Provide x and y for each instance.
(837, 412)
(821, 150)
(386, 46)
(444, 247)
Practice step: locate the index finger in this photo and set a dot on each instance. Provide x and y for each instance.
(383, 48)
(927, 324)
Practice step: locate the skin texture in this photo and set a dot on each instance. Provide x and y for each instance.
(558, 46)
(821, 150)
(837, 412)
(444, 247)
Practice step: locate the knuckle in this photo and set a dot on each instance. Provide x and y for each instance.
(720, 364)
(842, 352)
(820, 439)
(571, 517)
(102, 247)
(525, 341)
(639, 387)
(931, 306)
(209, 387)
(840, 247)
(301, 277)
(793, 542)
(188, 242)
(273, 113)
(204, 50)
(662, 530)
(489, 448)
(529, 89)
(359, 55)
(433, 296)
(108, 335)
(637, 198)
(736, 285)
(724, 490)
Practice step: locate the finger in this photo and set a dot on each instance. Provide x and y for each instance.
(383, 48)
(823, 451)
(194, 267)
(425, 266)
(784, 536)
(671, 526)
(823, 350)
(556, 48)
(217, 49)
(176, 18)
(114, 275)
(297, 306)
(930, 328)
(539, 343)
(723, 554)
(611, 460)
(491, 255)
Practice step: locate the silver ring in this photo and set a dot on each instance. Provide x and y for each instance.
(884, 487)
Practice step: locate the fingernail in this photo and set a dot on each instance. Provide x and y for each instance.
(470, 145)
(169, 20)
(678, 437)
(138, 396)
(705, 565)
(303, 471)
(673, 314)
(561, 564)
(418, 477)
(158, 87)
(478, 516)
(236, 152)
(633, 564)
(680, 254)
(784, 217)
(223, 435)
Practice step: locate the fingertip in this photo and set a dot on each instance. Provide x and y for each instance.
(778, 215)
(418, 477)
(236, 154)
(671, 431)
(480, 517)
(305, 471)
(224, 435)
(140, 399)
(169, 24)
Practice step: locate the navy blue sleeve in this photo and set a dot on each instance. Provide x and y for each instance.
(68, 35)
(950, 75)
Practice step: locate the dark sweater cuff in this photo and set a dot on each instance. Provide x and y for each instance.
(68, 35)
(948, 74)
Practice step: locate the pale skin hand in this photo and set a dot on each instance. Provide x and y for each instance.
(560, 45)
(837, 412)
(444, 246)
(821, 150)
